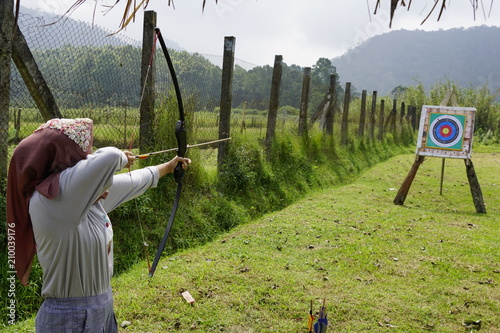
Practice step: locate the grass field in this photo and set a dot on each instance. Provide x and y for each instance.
(429, 265)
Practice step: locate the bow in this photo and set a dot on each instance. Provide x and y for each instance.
(180, 134)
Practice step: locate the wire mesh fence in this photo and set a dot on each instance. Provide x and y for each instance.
(97, 75)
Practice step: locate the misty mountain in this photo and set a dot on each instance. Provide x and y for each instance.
(44, 30)
(468, 57)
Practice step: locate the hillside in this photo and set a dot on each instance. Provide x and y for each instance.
(469, 57)
(69, 31)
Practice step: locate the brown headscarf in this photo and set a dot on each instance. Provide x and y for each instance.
(36, 165)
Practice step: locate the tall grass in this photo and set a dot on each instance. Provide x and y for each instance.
(487, 120)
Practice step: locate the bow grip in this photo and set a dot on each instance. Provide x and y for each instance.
(180, 134)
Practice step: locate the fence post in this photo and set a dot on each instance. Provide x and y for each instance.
(402, 122)
(362, 116)
(372, 116)
(345, 115)
(402, 113)
(393, 116)
(148, 75)
(33, 78)
(226, 97)
(274, 101)
(6, 24)
(125, 124)
(414, 117)
(381, 120)
(330, 112)
(304, 101)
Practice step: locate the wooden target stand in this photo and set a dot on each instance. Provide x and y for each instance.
(445, 132)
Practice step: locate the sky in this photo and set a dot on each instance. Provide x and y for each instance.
(302, 31)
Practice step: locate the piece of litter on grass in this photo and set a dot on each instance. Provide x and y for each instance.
(187, 296)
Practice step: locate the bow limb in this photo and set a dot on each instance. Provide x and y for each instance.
(181, 136)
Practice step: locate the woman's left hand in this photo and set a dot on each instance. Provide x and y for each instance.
(185, 161)
(169, 167)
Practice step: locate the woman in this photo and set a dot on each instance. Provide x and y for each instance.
(58, 197)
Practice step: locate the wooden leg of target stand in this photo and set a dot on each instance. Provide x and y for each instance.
(475, 189)
(405, 187)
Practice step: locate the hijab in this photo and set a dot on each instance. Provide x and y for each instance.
(36, 164)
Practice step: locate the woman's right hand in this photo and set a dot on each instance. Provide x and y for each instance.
(130, 158)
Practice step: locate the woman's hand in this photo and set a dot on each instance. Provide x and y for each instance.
(130, 158)
(169, 167)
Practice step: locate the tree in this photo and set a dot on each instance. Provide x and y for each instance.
(398, 91)
(322, 70)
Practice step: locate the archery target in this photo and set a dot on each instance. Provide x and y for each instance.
(446, 131)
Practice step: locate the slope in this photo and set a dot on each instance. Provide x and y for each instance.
(469, 57)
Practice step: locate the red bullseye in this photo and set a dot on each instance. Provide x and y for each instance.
(445, 131)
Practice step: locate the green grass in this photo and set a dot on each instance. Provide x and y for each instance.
(426, 266)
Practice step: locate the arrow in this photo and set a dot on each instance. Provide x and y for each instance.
(144, 156)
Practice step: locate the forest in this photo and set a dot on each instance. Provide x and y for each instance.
(110, 75)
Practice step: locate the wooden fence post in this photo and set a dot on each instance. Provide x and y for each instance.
(362, 115)
(344, 135)
(402, 123)
(304, 101)
(391, 119)
(6, 25)
(402, 113)
(330, 112)
(381, 121)
(148, 76)
(372, 116)
(274, 101)
(33, 78)
(226, 98)
(414, 117)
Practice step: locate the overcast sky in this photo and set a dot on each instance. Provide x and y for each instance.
(302, 31)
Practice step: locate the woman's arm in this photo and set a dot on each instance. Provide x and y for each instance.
(127, 186)
(81, 185)
(169, 167)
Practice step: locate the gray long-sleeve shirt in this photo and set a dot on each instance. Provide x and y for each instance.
(73, 233)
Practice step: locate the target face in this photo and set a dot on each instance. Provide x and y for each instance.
(446, 131)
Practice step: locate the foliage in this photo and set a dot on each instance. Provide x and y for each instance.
(93, 77)
(487, 119)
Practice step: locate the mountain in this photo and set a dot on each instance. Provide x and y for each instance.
(44, 30)
(468, 57)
